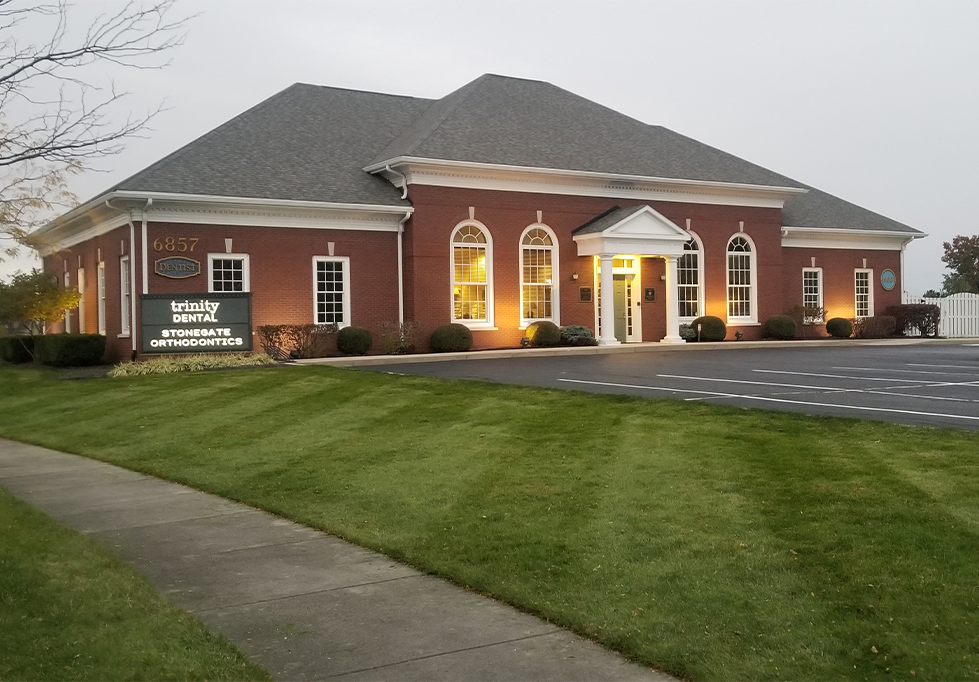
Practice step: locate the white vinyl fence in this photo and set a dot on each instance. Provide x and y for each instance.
(960, 314)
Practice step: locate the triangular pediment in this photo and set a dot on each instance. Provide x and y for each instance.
(639, 230)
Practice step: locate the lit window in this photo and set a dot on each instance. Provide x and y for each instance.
(100, 290)
(472, 266)
(689, 281)
(740, 280)
(125, 302)
(81, 301)
(228, 272)
(863, 293)
(538, 276)
(67, 312)
(331, 280)
(812, 295)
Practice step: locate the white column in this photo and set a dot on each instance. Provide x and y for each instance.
(672, 303)
(607, 337)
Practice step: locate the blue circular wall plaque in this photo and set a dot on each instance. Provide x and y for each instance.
(887, 279)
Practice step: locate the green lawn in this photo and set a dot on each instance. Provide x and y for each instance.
(69, 611)
(710, 542)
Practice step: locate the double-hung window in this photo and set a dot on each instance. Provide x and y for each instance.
(689, 281)
(81, 301)
(100, 292)
(538, 275)
(812, 295)
(331, 290)
(67, 312)
(472, 275)
(228, 272)
(125, 302)
(863, 293)
(740, 280)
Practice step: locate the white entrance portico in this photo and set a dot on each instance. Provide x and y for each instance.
(635, 231)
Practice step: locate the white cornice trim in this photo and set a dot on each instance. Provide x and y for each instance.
(472, 175)
(843, 238)
(98, 217)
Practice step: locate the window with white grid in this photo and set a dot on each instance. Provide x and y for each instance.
(812, 295)
(471, 274)
(125, 302)
(228, 272)
(331, 281)
(688, 281)
(863, 293)
(740, 280)
(538, 277)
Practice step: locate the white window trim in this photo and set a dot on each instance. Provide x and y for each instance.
(701, 287)
(81, 301)
(125, 324)
(870, 292)
(819, 302)
(753, 317)
(555, 277)
(488, 323)
(346, 287)
(100, 293)
(246, 283)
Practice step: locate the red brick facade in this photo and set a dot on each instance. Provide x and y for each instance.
(280, 263)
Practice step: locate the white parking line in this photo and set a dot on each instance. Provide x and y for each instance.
(757, 383)
(919, 364)
(780, 400)
(901, 371)
(835, 376)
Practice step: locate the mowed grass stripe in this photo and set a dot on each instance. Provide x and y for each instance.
(712, 542)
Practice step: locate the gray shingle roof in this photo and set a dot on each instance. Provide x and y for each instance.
(305, 143)
(312, 143)
(611, 217)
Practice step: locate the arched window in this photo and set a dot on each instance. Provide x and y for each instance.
(538, 275)
(472, 274)
(740, 280)
(690, 281)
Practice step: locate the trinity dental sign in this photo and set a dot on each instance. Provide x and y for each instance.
(212, 323)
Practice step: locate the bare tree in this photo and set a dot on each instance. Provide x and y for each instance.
(58, 110)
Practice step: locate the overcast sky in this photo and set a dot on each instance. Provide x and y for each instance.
(875, 102)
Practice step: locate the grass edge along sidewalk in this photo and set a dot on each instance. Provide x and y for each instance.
(69, 610)
(708, 542)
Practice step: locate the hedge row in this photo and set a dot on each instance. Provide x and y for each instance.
(57, 350)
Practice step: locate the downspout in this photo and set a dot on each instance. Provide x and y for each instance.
(146, 273)
(132, 280)
(401, 275)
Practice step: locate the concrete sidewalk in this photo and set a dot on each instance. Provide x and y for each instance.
(301, 603)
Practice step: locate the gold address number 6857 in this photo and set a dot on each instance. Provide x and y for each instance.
(175, 244)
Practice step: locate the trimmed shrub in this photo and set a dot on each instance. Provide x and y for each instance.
(839, 328)
(711, 328)
(354, 341)
(285, 341)
(399, 339)
(780, 327)
(451, 338)
(69, 350)
(577, 335)
(878, 327)
(543, 333)
(922, 317)
(688, 333)
(16, 349)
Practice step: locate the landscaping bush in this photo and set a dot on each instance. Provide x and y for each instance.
(688, 333)
(16, 349)
(354, 341)
(577, 335)
(780, 327)
(285, 341)
(878, 327)
(69, 350)
(711, 328)
(451, 338)
(398, 339)
(922, 317)
(839, 328)
(543, 333)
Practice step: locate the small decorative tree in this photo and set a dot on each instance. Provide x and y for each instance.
(31, 302)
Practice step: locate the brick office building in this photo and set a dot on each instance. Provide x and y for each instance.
(505, 202)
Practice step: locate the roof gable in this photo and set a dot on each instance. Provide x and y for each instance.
(639, 230)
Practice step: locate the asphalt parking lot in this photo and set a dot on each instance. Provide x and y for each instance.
(915, 383)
